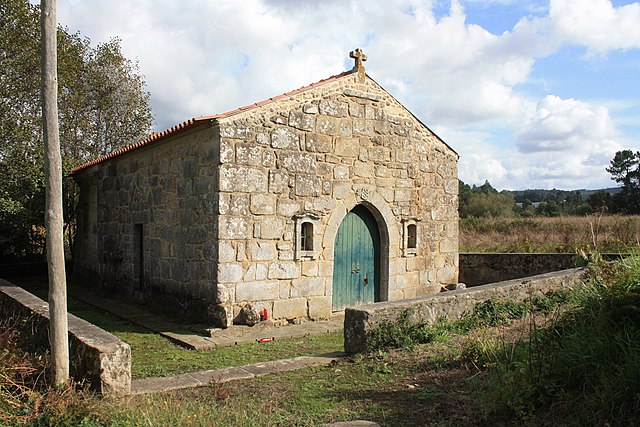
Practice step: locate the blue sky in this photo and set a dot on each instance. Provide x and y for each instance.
(531, 94)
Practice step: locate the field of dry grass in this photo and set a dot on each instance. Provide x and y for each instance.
(558, 234)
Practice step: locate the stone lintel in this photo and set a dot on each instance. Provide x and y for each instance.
(362, 95)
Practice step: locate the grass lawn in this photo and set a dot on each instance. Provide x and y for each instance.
(155, 356)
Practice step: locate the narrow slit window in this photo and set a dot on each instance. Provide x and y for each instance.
(306, 236)
(412, 236)
(138, 254)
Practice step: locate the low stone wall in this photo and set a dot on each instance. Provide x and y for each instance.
(95, 355)
(360, 321)
(480, 269)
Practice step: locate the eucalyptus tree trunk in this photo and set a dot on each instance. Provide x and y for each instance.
(58, 329)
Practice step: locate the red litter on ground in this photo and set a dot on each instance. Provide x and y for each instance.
(267, 339)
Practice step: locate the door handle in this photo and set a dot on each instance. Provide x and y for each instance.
(365, 280)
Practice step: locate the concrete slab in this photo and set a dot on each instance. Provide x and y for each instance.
(186, 337)
(201, 378)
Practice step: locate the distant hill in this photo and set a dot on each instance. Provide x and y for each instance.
(540, 195)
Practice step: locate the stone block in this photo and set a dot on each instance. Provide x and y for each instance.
(285, 290)
(319, 307)
(278, 181)
(414, 263)
(403, 195)
(310, 109)
(347, 147)
(402, 156)
(250, 274)
(327, 187)
(233, 228)
(449, 246)
(317, 143)
(288, 208)
(451, 186)
(268, 159)
(299, 162)
(290, 309)
(333, 107)
(222, 294)
(241, 254)
(363, 170)
(263, 139)
(307, 287)
(226, 151)
(284, 270)
(300, 120)
(356, 110)
(262, 251)
(261, 271)
(257, 291)
(230, 273)
(321, 204)
(447, 275)
(242, 179)
(362, 127)
(236, 130)
(263, 204)
(308, 185)
(341, 189)
(285, 138)
(327, 125)
(248, 154)
(309, 268)
(341, 172)
(271, 227)
(239, 204)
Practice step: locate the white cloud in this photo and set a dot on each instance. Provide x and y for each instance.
(202, 57)
(596, 24)
(564, 125)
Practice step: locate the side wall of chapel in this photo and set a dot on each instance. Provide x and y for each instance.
(145, 225)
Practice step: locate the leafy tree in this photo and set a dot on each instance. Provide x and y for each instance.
(550, 208)
(599, 201)
(483, 201)
(103, 105)
(489, 205)
(625, 170)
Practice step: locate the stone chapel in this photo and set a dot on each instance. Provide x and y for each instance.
(325, 197)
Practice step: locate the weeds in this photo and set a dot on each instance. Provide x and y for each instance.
(560, 234)
(405, 332)
(587, 358)
(26, 397)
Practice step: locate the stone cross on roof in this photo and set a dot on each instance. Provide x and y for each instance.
(360, 57)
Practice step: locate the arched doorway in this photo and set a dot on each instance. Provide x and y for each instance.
(356, 260)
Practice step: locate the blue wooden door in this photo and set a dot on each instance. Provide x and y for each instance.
(356, 259)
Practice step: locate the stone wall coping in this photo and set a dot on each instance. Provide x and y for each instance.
(467, 292)
(85, 338)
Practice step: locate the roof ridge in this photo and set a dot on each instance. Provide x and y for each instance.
(198, 121)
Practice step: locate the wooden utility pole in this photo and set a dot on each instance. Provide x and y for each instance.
(53, 221)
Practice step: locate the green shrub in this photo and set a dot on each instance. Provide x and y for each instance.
(587, 361)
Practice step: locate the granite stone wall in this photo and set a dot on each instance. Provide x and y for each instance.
(146, 228)
(318, 154)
